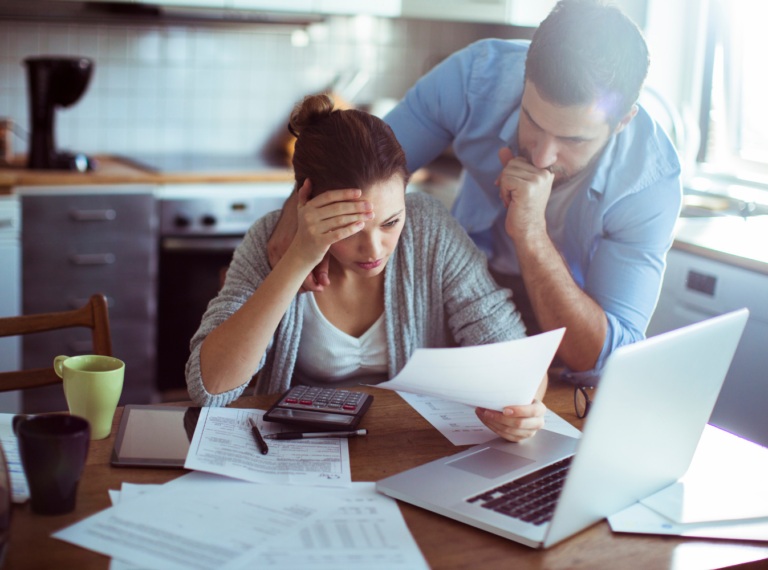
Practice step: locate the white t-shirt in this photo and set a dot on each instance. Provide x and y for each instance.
(327, 355)
(504, 259)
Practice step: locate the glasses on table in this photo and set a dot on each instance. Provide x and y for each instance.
(582, 401)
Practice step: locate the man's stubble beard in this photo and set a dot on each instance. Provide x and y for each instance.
(558, 170)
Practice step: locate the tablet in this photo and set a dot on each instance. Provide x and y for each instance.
(154, 436)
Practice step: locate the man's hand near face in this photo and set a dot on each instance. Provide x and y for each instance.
(525, 190)
(556, 299)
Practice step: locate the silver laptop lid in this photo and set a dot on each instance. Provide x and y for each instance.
(668, 384)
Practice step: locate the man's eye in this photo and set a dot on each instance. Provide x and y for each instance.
(390, 224)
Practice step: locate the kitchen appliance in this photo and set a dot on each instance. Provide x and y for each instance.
(717, 265)
(54, 81)
(200, 227)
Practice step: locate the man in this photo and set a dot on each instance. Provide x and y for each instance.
(569, 186)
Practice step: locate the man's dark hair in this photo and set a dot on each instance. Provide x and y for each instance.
(585, 51)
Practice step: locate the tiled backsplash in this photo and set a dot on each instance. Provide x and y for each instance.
(216, 89)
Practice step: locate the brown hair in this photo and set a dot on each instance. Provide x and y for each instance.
(338, 149)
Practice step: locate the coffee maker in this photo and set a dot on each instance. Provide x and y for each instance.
(54, 81)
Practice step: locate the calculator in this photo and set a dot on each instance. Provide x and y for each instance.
(320, 408)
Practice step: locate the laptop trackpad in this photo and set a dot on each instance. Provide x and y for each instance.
(490, 463)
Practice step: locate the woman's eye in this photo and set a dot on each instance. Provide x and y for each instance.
(390, 224)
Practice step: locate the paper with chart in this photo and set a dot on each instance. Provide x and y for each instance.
(490, 376)
(725, 481)
(223, 444)
(19, 488)
(201, 523)
(366, 530)
(461, 426)
(640, 519)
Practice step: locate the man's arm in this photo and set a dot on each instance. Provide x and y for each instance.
(624, 276)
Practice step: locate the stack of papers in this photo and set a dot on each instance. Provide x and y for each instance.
(206, 521)
(722, 495)
(242, 509)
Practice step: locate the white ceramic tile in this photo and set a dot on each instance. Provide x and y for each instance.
(85, 42)
(116, 110)
(25, 39)
(119, 77)
(144, 46)
(55, 40)
(148, 79)
(177, 47)
(5, 46)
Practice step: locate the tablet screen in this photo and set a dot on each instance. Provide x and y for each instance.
(154, 436)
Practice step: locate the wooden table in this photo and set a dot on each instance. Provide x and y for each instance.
(399, 439)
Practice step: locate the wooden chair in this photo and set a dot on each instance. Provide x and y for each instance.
(93, 315)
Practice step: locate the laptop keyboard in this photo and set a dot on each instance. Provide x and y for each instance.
(532, 498)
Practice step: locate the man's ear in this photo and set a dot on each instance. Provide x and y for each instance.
(625, 120)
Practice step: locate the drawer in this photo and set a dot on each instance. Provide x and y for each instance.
(126, 300)
(89, 215)
(78, 262)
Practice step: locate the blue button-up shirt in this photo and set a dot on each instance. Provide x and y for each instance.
(619, 226)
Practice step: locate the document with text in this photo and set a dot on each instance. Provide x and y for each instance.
(223, 443)
(201, 523)
(461, 426)
(490, 376)
(366, 531)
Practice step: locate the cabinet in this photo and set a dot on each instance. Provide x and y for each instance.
(515, 12)
(77, 242)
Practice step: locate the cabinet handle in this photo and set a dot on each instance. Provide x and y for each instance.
(9, 223)
(92, 258)
(93, 215)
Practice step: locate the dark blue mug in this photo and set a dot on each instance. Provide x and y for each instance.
(53, 449)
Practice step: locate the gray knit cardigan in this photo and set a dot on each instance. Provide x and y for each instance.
(435, 272)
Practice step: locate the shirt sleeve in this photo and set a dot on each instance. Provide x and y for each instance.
(245, 274)
(624, 276)
(479, 311)
(426, 121)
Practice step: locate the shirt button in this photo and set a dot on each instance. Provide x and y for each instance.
(470, 227)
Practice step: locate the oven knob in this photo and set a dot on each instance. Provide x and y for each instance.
(208, 220)
(181, 221)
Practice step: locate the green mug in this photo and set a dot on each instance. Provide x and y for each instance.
(92, 386)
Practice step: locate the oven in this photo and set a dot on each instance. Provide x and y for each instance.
(200, 227)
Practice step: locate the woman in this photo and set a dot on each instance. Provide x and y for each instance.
(393, 278)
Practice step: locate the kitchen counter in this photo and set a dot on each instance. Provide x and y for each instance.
(740, 242)
(114, 171)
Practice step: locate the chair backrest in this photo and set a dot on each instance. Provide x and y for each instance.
(93, 315)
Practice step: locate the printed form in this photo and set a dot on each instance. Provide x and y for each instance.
(366, 531)
(223, 444)
(461, 426)
(198, 522)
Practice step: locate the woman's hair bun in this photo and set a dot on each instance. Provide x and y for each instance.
(312, 109)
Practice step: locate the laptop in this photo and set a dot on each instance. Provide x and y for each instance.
(655, 398)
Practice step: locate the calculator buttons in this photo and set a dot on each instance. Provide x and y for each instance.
(349, 407)
(291, 401)
(319, 399)
(305, 402)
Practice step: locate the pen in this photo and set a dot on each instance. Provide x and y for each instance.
(314, 434)
(259, 440)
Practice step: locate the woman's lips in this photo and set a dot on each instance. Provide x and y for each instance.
(370, 264)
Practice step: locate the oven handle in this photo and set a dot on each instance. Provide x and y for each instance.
(219, 244)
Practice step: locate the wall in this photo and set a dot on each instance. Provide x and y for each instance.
(216, 89)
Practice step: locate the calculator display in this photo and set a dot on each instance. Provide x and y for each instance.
(301, 415)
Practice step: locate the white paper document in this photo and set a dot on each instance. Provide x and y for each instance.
(461, 426)
(19, 488)
(223, 444)
(202, 523)
(490, 376)
(640, 519)
(725, 481)
(366, 531)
